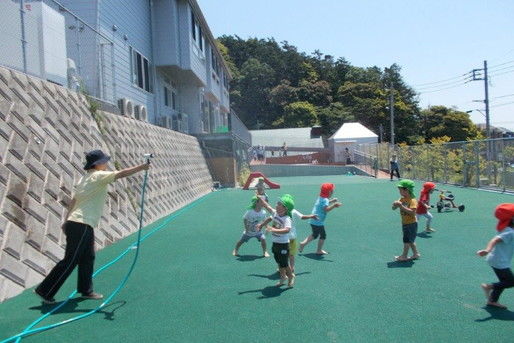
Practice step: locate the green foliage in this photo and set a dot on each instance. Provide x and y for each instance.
(244, 173)
(441, 121)
(271, 79)
(299, 114)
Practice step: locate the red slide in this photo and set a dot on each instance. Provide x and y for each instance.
(255, 175)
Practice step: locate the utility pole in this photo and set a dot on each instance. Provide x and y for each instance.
(381, 132)
(391, 111)
(479, 75)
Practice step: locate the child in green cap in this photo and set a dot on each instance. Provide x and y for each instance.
(407, 205)
(280, 228)
(254, 215)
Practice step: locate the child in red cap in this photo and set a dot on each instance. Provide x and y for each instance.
(499, 253)
(424, 205)
(322, 206)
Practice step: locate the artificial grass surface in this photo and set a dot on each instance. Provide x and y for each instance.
(187, 287)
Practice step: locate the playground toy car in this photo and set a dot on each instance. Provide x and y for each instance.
(447, 202)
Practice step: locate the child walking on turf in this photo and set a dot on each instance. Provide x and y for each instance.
(83, 215)
(254, 215)
(280, 228)
(424, 205)
(293, 245)
(407, 205)
(322, 206)
(499, 253)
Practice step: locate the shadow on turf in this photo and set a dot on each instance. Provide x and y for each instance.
(396, 264)
(424, 235)
(497, 313)
(248, 258)
(72, 304)
(267, 292)
(317, 257)
(274, 276)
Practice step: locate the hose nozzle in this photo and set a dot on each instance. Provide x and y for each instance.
(148, 157)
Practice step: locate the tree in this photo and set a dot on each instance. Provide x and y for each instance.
(441, 121)
(333, 116)
(298, 114)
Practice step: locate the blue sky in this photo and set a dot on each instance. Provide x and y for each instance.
(432, 40)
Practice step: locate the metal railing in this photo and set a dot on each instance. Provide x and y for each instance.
(45, 39)
(481, 164)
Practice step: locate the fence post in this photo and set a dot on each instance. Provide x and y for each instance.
(23, 36)
(476, 148)
(445, 153)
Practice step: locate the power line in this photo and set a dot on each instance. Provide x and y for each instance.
(501, 64)
(442, 89)
(503, 96)
(503, 73)
(504, 104)
(447, 84)
(441, 81)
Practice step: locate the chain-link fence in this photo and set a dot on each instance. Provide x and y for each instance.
(480, 164)
(45, 39)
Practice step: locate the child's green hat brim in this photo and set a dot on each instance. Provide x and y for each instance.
(408, 184)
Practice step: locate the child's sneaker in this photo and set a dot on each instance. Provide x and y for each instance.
(265, 254)
(429, 229)
(281, 282)
(415, 257)
(291, 281)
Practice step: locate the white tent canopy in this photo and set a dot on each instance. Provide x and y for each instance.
(349, 135)
(354, 132)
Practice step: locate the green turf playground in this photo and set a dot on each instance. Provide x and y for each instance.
(187, 287)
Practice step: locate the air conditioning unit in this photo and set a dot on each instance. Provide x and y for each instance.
(141, 113)
(165, 122)
(127, 107)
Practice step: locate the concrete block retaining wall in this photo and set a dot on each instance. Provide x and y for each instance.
(44, 131)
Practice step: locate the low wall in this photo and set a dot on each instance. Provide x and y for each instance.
(277, 170)
(44, 131)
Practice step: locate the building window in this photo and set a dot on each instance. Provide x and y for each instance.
(170, 98)
(140, 71)
(215, 63)
(196, 30)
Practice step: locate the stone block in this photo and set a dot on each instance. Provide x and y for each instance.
(35, 232)
(16, 189)
(66, 184)
(35, 166)
(52, 185)
(51, 165)
(36, 97)
(14, 240)
(35, 187)
(16, 166)
(12, 269)
(52, 204)
(5, 129)
(35, 146)
(52, 149)
(35, 260)
(10, 289)
(35, 209)
(18, 146)
(52, 250)
(65, 165)
(32, 278)
(3, 226)
(14, 213)
(53, 228)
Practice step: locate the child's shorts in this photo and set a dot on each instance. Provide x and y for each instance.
(293, 247)
(318, 231)
(260, 237)
(409, 232)
(281, 254)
